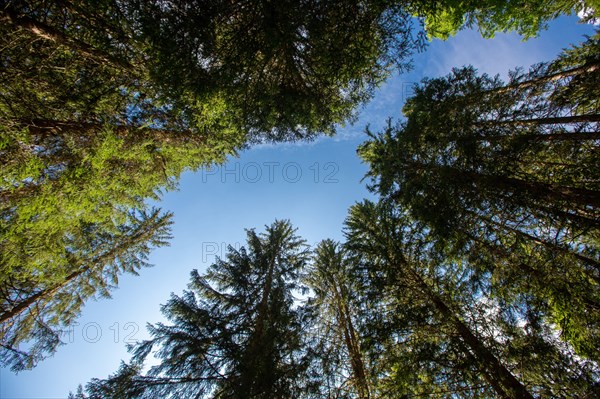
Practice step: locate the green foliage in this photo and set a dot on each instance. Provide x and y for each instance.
(436, 328)
(337, 310)
(388, 314)
(287, 70)
(505, 175)
(40, 298)
(445, 19)
(236, 333)
(104, 104)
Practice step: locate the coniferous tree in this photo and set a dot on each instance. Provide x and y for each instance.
(338, 314)
(103, 104)
(506, 174)
(437, 330)
(286, 70)
(235, 334)
(393, 258)
(37, 307)
(78, 182)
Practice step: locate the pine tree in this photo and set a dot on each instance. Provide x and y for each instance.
(37, 309)
(381, 237)
(236, 333)
(509, 170)
(438, 330)
(337, 316)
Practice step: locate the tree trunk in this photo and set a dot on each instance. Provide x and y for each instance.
(43, 294)
(85, 265)
(546, 78)
(577, 136)
(539, 241)
(541, 191)
(254, 352)
(7, 14)
(501, 379)
(543, 121)
(43, 128)
(352, 345)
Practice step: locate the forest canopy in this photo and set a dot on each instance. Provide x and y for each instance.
(103, 105)
(475, 272)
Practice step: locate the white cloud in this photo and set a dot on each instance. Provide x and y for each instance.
(492, 56)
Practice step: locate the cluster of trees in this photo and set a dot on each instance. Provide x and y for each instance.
(385, 314)
(476, 274)
(103, 104)
(506, 176)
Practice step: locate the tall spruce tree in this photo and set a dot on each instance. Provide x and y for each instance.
(60, 184)
(237, 332)
(436, 329)
(337, 313)
(507, 175)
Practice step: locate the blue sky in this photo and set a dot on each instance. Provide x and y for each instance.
(311, 184)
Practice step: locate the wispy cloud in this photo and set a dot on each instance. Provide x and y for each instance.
(505, 52)
(497, 56)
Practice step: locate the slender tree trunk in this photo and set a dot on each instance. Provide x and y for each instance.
(352, 345)
(540, 275)
(263, 306)
(45, 293)
(549, 245)
(543, 121)
(551, 193)
(576, 136)
(501, 379)
(43, 128)
(8, 14)
(255, 350)
(580, 220)
(539, 241)
(143, 232)
(546, 78)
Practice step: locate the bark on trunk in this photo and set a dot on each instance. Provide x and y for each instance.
(549, 245)
(542, 191)
(102, 259)
(543, 121)
(352, 345)
(547, 78)
(49, 33)
(576, 136)
(501, 379)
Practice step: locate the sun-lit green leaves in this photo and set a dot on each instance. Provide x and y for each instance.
(44, 291)
(445, 19)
